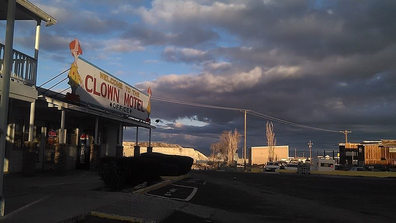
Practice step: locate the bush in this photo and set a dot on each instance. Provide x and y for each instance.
(119, 172)
(171, 165)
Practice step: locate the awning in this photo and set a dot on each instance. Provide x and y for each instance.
(25, 10)
(55, 99)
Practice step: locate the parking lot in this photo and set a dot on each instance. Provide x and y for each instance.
(266, 196)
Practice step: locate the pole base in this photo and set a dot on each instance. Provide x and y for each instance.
(2, 206)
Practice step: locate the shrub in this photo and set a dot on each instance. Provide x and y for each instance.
(119, 172)
(171, 165)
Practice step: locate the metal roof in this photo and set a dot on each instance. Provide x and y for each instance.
(25, 10)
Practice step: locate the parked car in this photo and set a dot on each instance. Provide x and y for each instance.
(291, 166)
(272, 166)
(358, 168)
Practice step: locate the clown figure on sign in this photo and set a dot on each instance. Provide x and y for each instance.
(74, 77)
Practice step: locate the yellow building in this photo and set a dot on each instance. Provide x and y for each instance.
(259, 154)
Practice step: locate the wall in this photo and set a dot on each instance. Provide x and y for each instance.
(180, 151)
(109, 148)
(323, 164)
(259, 154)
(15, 162)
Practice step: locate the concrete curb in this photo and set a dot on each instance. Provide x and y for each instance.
(120, 217)
(346, 173)
(167, 180)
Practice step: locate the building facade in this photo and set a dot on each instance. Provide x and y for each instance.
(43, 129)
(368, 153)
(260, 154)
(170, 149)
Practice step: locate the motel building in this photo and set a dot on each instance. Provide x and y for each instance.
(43, 129)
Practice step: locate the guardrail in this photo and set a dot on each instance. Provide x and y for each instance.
(23, 69)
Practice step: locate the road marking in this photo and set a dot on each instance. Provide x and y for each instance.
(174, 191)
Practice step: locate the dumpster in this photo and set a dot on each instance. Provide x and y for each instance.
(303, 168)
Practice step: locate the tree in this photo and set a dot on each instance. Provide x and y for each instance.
(271, 140)
(216, 150)
(227, 146)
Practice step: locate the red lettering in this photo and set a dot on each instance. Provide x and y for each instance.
(142, 106)
(127, 100)
(110, 92)
(116, 94)
(135, 101)
(103, 89)
(86, 83)
(94, 90)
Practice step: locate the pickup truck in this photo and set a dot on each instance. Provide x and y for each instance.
(272, 166)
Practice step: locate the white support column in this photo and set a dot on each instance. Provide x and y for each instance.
(42, 146)
(37, 40)
(36, 49)
(96, 131)
(149, 147)
(121, 135)
(31, 121)
(5, 92)
(149, 144)
(137, 147)
(137, 136)
(62, 130)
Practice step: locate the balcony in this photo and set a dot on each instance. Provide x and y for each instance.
(23, 69)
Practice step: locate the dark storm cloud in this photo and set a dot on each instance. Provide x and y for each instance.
(145, 34)
(188, 36)
(325, 64)
(72, 19)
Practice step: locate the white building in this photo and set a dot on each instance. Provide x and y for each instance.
(323, 164)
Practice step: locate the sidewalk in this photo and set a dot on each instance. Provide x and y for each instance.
(48, 198)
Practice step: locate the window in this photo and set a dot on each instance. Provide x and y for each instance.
(326, 165)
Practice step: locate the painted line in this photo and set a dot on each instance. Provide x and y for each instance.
(120, 217)
(29, 205)
(192, 194)
(67, 183)
(167, 180)
(175, 178)
(153, 187)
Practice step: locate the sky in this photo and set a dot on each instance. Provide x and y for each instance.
(312, 67)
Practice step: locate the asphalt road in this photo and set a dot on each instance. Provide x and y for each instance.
(271, 197)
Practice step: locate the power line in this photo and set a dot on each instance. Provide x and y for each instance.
(194, 104)
(260, 115)
(254, 113)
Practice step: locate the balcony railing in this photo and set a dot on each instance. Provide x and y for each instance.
(23, 69)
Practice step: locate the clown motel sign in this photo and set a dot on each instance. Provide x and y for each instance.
(99, 88)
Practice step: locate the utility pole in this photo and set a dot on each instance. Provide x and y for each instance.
(244, 141)
(310, 144)
(346, 132)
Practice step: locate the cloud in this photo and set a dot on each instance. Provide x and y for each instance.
(188, 55)
(121, 46)
(327, 64)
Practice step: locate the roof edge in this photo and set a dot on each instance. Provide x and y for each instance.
(39, 12)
